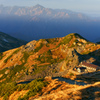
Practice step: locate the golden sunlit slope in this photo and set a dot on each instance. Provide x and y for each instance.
(45, 57)
(45, 54)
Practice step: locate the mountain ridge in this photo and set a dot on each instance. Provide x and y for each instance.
(24, 22)
(22, 68)
(48, 51)
(8, 42)
(31, 10)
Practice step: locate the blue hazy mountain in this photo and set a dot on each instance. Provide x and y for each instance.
(8, 42)
(37, 22)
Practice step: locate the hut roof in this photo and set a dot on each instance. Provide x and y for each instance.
(89, 65)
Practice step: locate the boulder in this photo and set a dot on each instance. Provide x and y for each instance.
(7, 71)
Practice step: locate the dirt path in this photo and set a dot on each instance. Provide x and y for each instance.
(70, 81)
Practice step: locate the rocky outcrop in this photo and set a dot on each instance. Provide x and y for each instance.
(73, 57)
(29, 46)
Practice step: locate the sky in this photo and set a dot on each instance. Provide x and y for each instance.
(90, 7)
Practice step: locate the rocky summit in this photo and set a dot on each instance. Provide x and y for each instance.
(45, 70)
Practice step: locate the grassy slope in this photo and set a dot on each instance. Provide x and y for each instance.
(45, 53)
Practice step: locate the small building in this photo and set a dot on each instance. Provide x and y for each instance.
(81, 69)
(89, 67)
(75, 68)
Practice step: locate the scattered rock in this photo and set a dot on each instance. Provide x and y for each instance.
(31, 69)
(15, 64)
(7, 71)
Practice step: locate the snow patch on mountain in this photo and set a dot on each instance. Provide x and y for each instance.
(5, 40)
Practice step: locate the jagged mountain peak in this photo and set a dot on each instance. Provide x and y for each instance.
(38, 6)
(34, 10)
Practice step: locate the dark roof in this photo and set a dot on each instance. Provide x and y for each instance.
(89, 65)
(82, 68)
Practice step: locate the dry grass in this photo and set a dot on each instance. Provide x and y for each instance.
(16, 94)
(57, 90)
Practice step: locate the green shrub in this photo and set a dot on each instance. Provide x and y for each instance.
(3, 70)
(25, 56)
(38, 48)
(49, 52)
(47, 45)
(34, 87)
(19, 98)
(1, 55)
(16, 69)
(20, 87)
(7, 89)
(71, 74)
(7, 58)
(66, 39)
(6, 96)
(16, 51)
(52, 40)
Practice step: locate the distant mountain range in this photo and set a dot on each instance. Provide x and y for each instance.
(8, 42)
(37, 12)
(29, 23)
